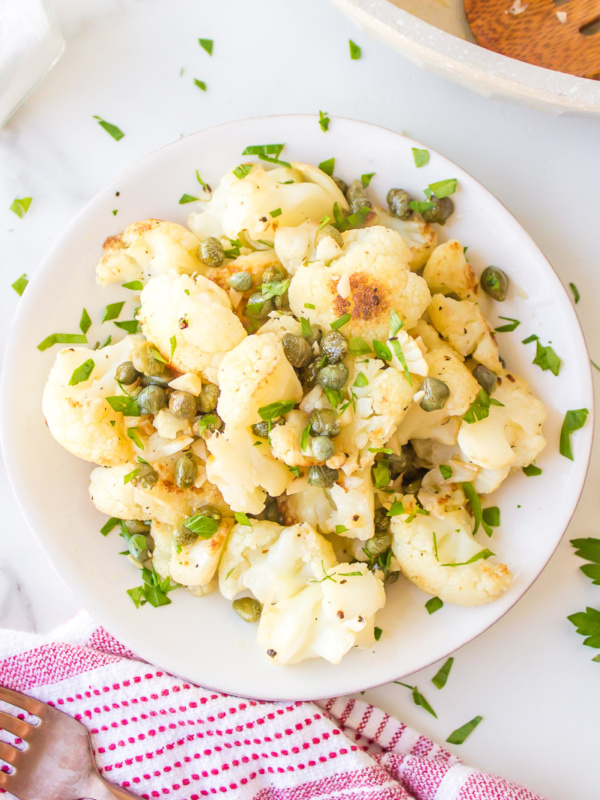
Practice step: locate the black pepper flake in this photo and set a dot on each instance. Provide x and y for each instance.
(263, 219)
(271, 653)
(360, 619)
(355, 517)
(344, 581)
(340, 614)
(510, 377)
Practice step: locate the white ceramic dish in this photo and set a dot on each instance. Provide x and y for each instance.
(202, 639)
(435, 36)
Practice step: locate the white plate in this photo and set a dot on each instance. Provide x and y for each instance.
(202, 639)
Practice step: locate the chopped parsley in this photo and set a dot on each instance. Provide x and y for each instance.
(474, 502)
(418, 698)
(434, 604)
(482, 555)
(381, 474)
(304, 439)
(21, 284)
(545, 357)
(200, 84)
(242, 519)
(112, 311)
(441, 676)
(305, 328)
(133, 434)
(573, 421)
(267, 152)
(532, 470)
(480, 407)
(324, 121)
(355, 220)
(339, 529)
(124, 404)
(327, 166)
(337, 323)
(309, 305)
(82, 373)
(62, 338)
(173, 342)
(460, 734)
(242, 170)
(382, 350)
(396, 508)
(207, 422)
(395, 323)
(110, 523)
(361, 380)
(366, 178)
(20, 206)
(203, 526)
(129, 325)
(421, 157)
(273, 410)
(135, 286)
(154, 589)
(513, 323)
(491, 516)
(295, 471)
(387, 450)
(576, 295)
(187, 198)
(115, 132)
(446, 471)
(589, 549)
(358, 347)
(377, 633)
(420, 205)
(277, 212)
(399, 353)
(443, 188)
(206, 44)
(274, 288)
(355, 51)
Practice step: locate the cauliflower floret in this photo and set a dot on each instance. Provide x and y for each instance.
(296, 246)
(244, 546)
(244, 472)
(194, 565)
(464, 326)
(299, 192)
(511, 436)
(424, 559)
(146, 249)
(198, 313)
(164, 502)
(286, 441)
(325, 619)
(281, 324)
(252, 375)
(379, 407)
(448, 271)
(168, 426)
(418, 236)
(79, 417)
(374, 275)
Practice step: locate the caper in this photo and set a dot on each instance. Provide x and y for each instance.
(442, 208)
(151, 399)
(495, 283)
(183, 405)
(322, 477)
(316, 334)
(186, 471)
(126, 373)
(247, 608)
(334, 345)
(262, 428)
(324, 422)
(340, 183)
(209, 511)
(213, 423)
(281, 300)
(399, 203)
(138, 547)
(308, 376)
(211, 252)
(271, 511)
(144, 360)
(390, 578)
(328, 230)
(184, 536)
(274, 274)
(155, 380)
(136, 526)
(381, 520)
(485, 378)
(357, 197)
(322, 448)
(436, 394)
(240, 281)
(146, 477)
(258, 306)
(333, 376)
(208, 398)
(378, 544)
(397, 463)
(412, 480)
(297, 350)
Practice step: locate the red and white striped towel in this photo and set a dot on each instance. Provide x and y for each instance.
(159, 736)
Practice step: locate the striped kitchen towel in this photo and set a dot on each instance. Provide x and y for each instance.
(159, 736)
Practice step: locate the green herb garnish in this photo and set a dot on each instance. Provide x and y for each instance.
(129, 325)
(576, 295)
(588, 624)
(242, 519)
(267, 152)
(135, 286)
(474, 502)
(514, 323)
(203, 526)
(395, 509)
(434, 604)
(207, 421)
(460, 734)
(421, 157)
(153, 590)
(361, 380)
(242, 170)
(21, 284)
(366, 178)
(274, 289)
(277, 212)
(574, 420)
(355, 51)
(82, 373)
(112, 311)
(441, 676)
(115, 132)
(124, 404)
(324, 121)
(382, 350)
(206, 44)
(200, 84)
(358, 347)
(589, 549)
(20, 206)
(420, 205)
(532, 470)
(376, 631)
(110, 523)
(418, 698)
(187, 198)
(133, 434)
(397, 348)
(381, 474)
(305, 327)
(274, 410)
(482, 555)
(62, 338)
(327, 166)
(443, 188)
(337, 323)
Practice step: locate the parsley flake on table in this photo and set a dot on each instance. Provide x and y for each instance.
(200, 84)
(112, 311)
(421, 157)
(327, 166)
(207, 44)
(573, 421)
(461, 734)
(587, 624)
(62, 338)
(187, 198)
(434, 604)
(355, 51)
(576, 295)
(441, 676)
(418, 698)
(589, 549)
(324, 121)
(113, 130)
(21, 284)
(128, 325)
(20, 206)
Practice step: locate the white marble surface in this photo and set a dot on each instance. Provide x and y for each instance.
(530, 677)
